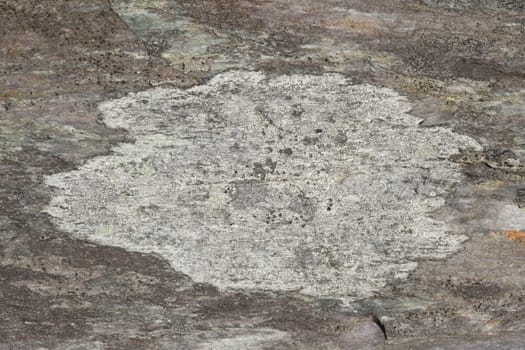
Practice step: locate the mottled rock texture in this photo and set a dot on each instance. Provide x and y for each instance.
(460, 66)
(297, 182)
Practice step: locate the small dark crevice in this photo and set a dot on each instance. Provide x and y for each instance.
(380, 324)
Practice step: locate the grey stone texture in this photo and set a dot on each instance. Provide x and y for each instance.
(434, 72)
(290, 183)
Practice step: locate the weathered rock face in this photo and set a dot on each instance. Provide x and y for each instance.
(306, 183)
(460, 64)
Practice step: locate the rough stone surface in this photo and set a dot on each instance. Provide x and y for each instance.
(305, 183)
(461, 66)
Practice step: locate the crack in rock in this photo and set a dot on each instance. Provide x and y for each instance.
(295, 182)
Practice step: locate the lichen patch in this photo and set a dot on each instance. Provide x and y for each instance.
(296, 182)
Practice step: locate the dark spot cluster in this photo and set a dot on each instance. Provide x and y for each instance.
(410, 323)
(330, 204)
(520, 197)
(260, 170)
(279, 217)
(286, 151)
(230, 190)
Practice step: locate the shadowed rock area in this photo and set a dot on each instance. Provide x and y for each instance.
(262, 175)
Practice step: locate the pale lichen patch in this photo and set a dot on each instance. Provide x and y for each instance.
(297, 182)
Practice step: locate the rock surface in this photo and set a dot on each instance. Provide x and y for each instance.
(297, 182)
(420, 103)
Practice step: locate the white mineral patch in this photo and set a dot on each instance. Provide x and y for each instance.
(298, 182)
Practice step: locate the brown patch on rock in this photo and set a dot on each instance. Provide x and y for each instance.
(515, 235)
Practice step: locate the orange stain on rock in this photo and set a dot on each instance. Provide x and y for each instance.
(515, 235)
